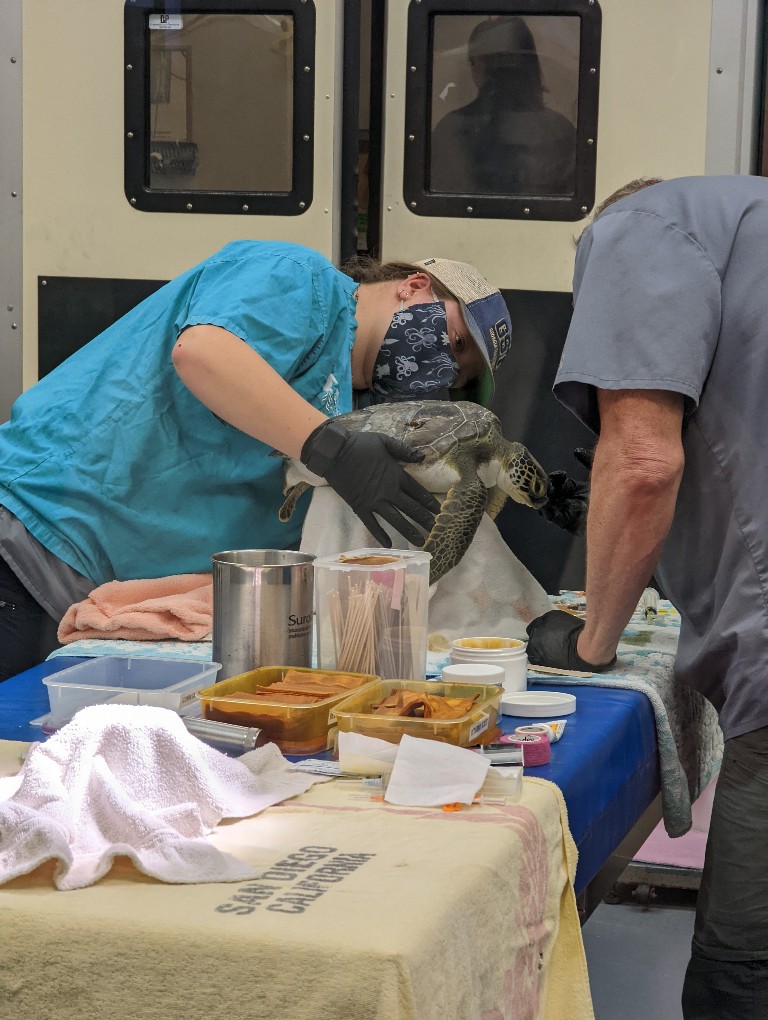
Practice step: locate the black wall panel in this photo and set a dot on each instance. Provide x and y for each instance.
(74, 309)
(530, 414)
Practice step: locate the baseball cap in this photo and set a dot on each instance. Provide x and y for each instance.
(484, 311)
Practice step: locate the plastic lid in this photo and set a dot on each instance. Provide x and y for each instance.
(481, 671)
(537, 703)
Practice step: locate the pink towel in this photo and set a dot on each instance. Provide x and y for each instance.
(178, 607)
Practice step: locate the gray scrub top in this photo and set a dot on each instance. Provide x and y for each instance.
(670, 293)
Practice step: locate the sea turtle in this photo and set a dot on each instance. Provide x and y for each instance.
(465, 456)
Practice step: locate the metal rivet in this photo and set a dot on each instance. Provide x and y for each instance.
(307, 70)
(302, 205)
(585, 208)
(13, 60)
(14, 194)
(719, 70)
(413, 205)
(14, 325)
(389, 208)
(129, 135)
(246, 208)
(527, 211)
(325, 210)
(413, 69)
(129, 67)
(593, 70)
(189, 207)
(470, 208)
(306, 138)
(43, 283)
(133, 201)
(411, 137)
(391, 95)
(590, 141)
(327, 95)
(10, 308)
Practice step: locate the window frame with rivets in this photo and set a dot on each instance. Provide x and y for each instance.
(520, 158)
(198, 136)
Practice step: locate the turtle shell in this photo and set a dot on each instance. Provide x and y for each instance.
(436, 427)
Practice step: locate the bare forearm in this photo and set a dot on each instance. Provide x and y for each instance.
(635, 477)
(239, 386)
(627, 524)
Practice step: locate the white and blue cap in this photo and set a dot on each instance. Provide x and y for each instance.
(482, 306)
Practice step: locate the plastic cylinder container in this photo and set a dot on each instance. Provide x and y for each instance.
(474, 673)
(495, 651)
(372, 612)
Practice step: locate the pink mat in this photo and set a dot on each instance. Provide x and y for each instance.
(688, 850)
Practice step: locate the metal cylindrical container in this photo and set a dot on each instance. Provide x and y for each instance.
(262, 609)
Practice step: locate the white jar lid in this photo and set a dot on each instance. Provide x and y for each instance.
(478, 672)
(537, 703)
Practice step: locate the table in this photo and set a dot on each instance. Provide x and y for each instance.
(361, 910)
(606, 762)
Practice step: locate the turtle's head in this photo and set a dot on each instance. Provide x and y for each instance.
(523, 478)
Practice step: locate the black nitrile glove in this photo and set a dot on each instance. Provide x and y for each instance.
(552, 642)
(584, 457)
(567, 503)
(567, 498)
(363, 468)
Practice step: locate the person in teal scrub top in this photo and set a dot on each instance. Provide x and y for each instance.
(150, 448)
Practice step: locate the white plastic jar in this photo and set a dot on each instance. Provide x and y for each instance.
(495, 651)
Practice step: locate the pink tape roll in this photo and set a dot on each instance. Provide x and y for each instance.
(535, 747)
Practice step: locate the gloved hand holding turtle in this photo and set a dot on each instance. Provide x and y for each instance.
(363, 468)
(552, 642)
(568, 498)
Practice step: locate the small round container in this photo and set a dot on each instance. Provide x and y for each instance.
(495, 651)
(474, 673)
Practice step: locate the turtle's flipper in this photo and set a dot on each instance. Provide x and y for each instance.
(292, 496)
(496, 499)
(455, 526)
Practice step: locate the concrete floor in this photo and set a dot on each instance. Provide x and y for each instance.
(637, 957)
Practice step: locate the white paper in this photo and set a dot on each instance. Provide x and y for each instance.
(429, 773)
(365, 756)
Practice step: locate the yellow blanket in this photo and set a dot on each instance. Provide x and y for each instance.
(364, 911)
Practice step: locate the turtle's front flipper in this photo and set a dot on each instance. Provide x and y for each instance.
(292, 496)
(496, 499)
(455, 526)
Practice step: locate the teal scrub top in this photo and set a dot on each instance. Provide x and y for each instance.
(115, 467)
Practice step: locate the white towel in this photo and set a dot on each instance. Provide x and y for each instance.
(131, 780)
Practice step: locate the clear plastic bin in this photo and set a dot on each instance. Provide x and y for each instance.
(126, 680)
(479, 726)
(296, 729)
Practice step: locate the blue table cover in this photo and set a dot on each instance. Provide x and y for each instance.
(606, 762)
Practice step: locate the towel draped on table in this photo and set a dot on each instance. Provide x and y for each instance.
(178, 607)
(130, 780)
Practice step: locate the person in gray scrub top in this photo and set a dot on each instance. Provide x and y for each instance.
(666, 359)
